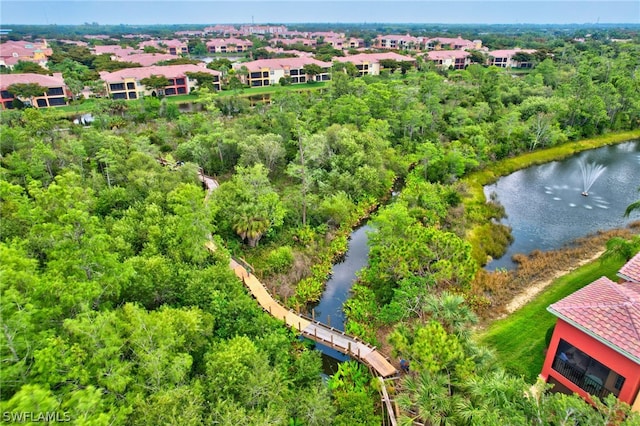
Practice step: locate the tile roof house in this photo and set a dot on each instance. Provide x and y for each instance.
(172, 47)
(395, 41)
(221, 45)
(146, 59)
(505, 58)
(56, 94)
(13, 51)
(595, 347)
(225, 30)
(454, 59)
(126, 83)
(293, 41)
(116, 51)
(267, 72)
(458, 43)
(631, 270)
(369, 63)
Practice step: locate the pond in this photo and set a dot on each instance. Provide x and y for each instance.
(546, 209)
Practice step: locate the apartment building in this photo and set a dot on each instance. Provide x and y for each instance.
(293, 41)
(509, 58)
(369, 63)
(595, 346)
(223, 30)
(56, 91)
(115, 51)
(262, 29)
(267, 72)
(126, 83)
(147, 59)
(447, 43)
(398, 42)
(449, 59)
(228, 45)
(172, 47)
(13, 51)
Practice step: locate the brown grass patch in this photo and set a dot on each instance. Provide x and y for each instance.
(501, 287)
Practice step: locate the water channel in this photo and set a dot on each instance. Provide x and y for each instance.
(545, 208)
(329, 309)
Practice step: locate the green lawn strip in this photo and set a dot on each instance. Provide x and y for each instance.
(477, 180)
(519, 340)
(272, 89)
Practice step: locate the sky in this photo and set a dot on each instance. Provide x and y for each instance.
(144, 12)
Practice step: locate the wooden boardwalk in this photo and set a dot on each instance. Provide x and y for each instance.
(315, 330)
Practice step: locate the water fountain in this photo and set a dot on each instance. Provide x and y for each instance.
(590, 172)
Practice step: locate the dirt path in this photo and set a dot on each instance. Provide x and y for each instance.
(533, 290)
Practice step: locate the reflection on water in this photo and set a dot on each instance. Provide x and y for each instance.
(329, 309)
(545, 207)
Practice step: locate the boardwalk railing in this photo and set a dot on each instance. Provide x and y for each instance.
(314, 330)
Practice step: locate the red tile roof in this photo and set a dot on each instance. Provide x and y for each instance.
(23, 49)
(7, 80)
(116, 50)
(281, 63)
(169, 71)
(507, 53)
(147, 59)
(608, 311)
(447, 54)
(228, 41)
(631, 271)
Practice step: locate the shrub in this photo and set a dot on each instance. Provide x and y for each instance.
(279, 260)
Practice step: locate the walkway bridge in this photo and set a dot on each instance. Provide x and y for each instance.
(315, 330)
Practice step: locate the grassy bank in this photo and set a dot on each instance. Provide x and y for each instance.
(476, 181)
(519, 340)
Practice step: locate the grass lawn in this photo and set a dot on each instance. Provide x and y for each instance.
(249, 91)
(519, 339)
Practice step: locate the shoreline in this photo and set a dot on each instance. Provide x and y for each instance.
(537, 287)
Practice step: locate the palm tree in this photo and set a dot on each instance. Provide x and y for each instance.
(632, 207)
(426, 398)
(250, 227)
(451, 311)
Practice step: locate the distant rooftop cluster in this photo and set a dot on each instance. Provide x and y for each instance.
(291, 59)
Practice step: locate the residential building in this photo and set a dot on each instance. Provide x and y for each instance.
(326, 34)
(224, 30)
(293, 41)
(13, 51)
(449, 59)
(228, 45)
(447, 43)
(505, 58)
(337, 42)
(595, 347)
(262, 29)
(369, 63)
(146, 59)
(189, 33)
(267, 72)
(56, 94)
(282, 51)
(398, 42)
(126, 83)
(172, 47)
(115, 51)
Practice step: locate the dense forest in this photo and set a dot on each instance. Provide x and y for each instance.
(114, 312)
